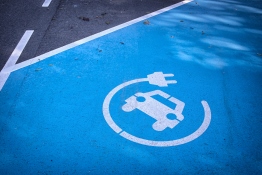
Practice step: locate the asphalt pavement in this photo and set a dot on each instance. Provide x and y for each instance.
(63, 21)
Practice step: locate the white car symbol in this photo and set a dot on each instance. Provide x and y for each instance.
(155, 109)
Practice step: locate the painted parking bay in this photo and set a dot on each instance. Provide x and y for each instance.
(158, 80)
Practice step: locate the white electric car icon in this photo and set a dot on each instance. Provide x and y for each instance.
(155, 109)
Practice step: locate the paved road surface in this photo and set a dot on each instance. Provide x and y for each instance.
(177, 91)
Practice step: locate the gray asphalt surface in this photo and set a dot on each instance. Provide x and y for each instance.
(64, 21)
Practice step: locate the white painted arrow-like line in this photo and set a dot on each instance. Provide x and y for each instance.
(46, 3)
(92, 37)
(14, 56)
(31, 61)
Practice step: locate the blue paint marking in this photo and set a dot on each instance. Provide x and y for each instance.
(52, 120)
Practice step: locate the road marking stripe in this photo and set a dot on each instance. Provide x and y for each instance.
(46, 3)
(14, 56)
(92, 37)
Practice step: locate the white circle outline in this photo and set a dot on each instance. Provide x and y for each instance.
(117, 129)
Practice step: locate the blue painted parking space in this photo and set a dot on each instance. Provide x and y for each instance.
(177, 93)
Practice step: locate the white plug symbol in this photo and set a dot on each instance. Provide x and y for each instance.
(158, 78)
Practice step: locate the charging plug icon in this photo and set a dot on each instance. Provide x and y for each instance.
(159, 79)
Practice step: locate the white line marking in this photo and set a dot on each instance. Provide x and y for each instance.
(46, 3)
(92, 37)
(14, 57)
